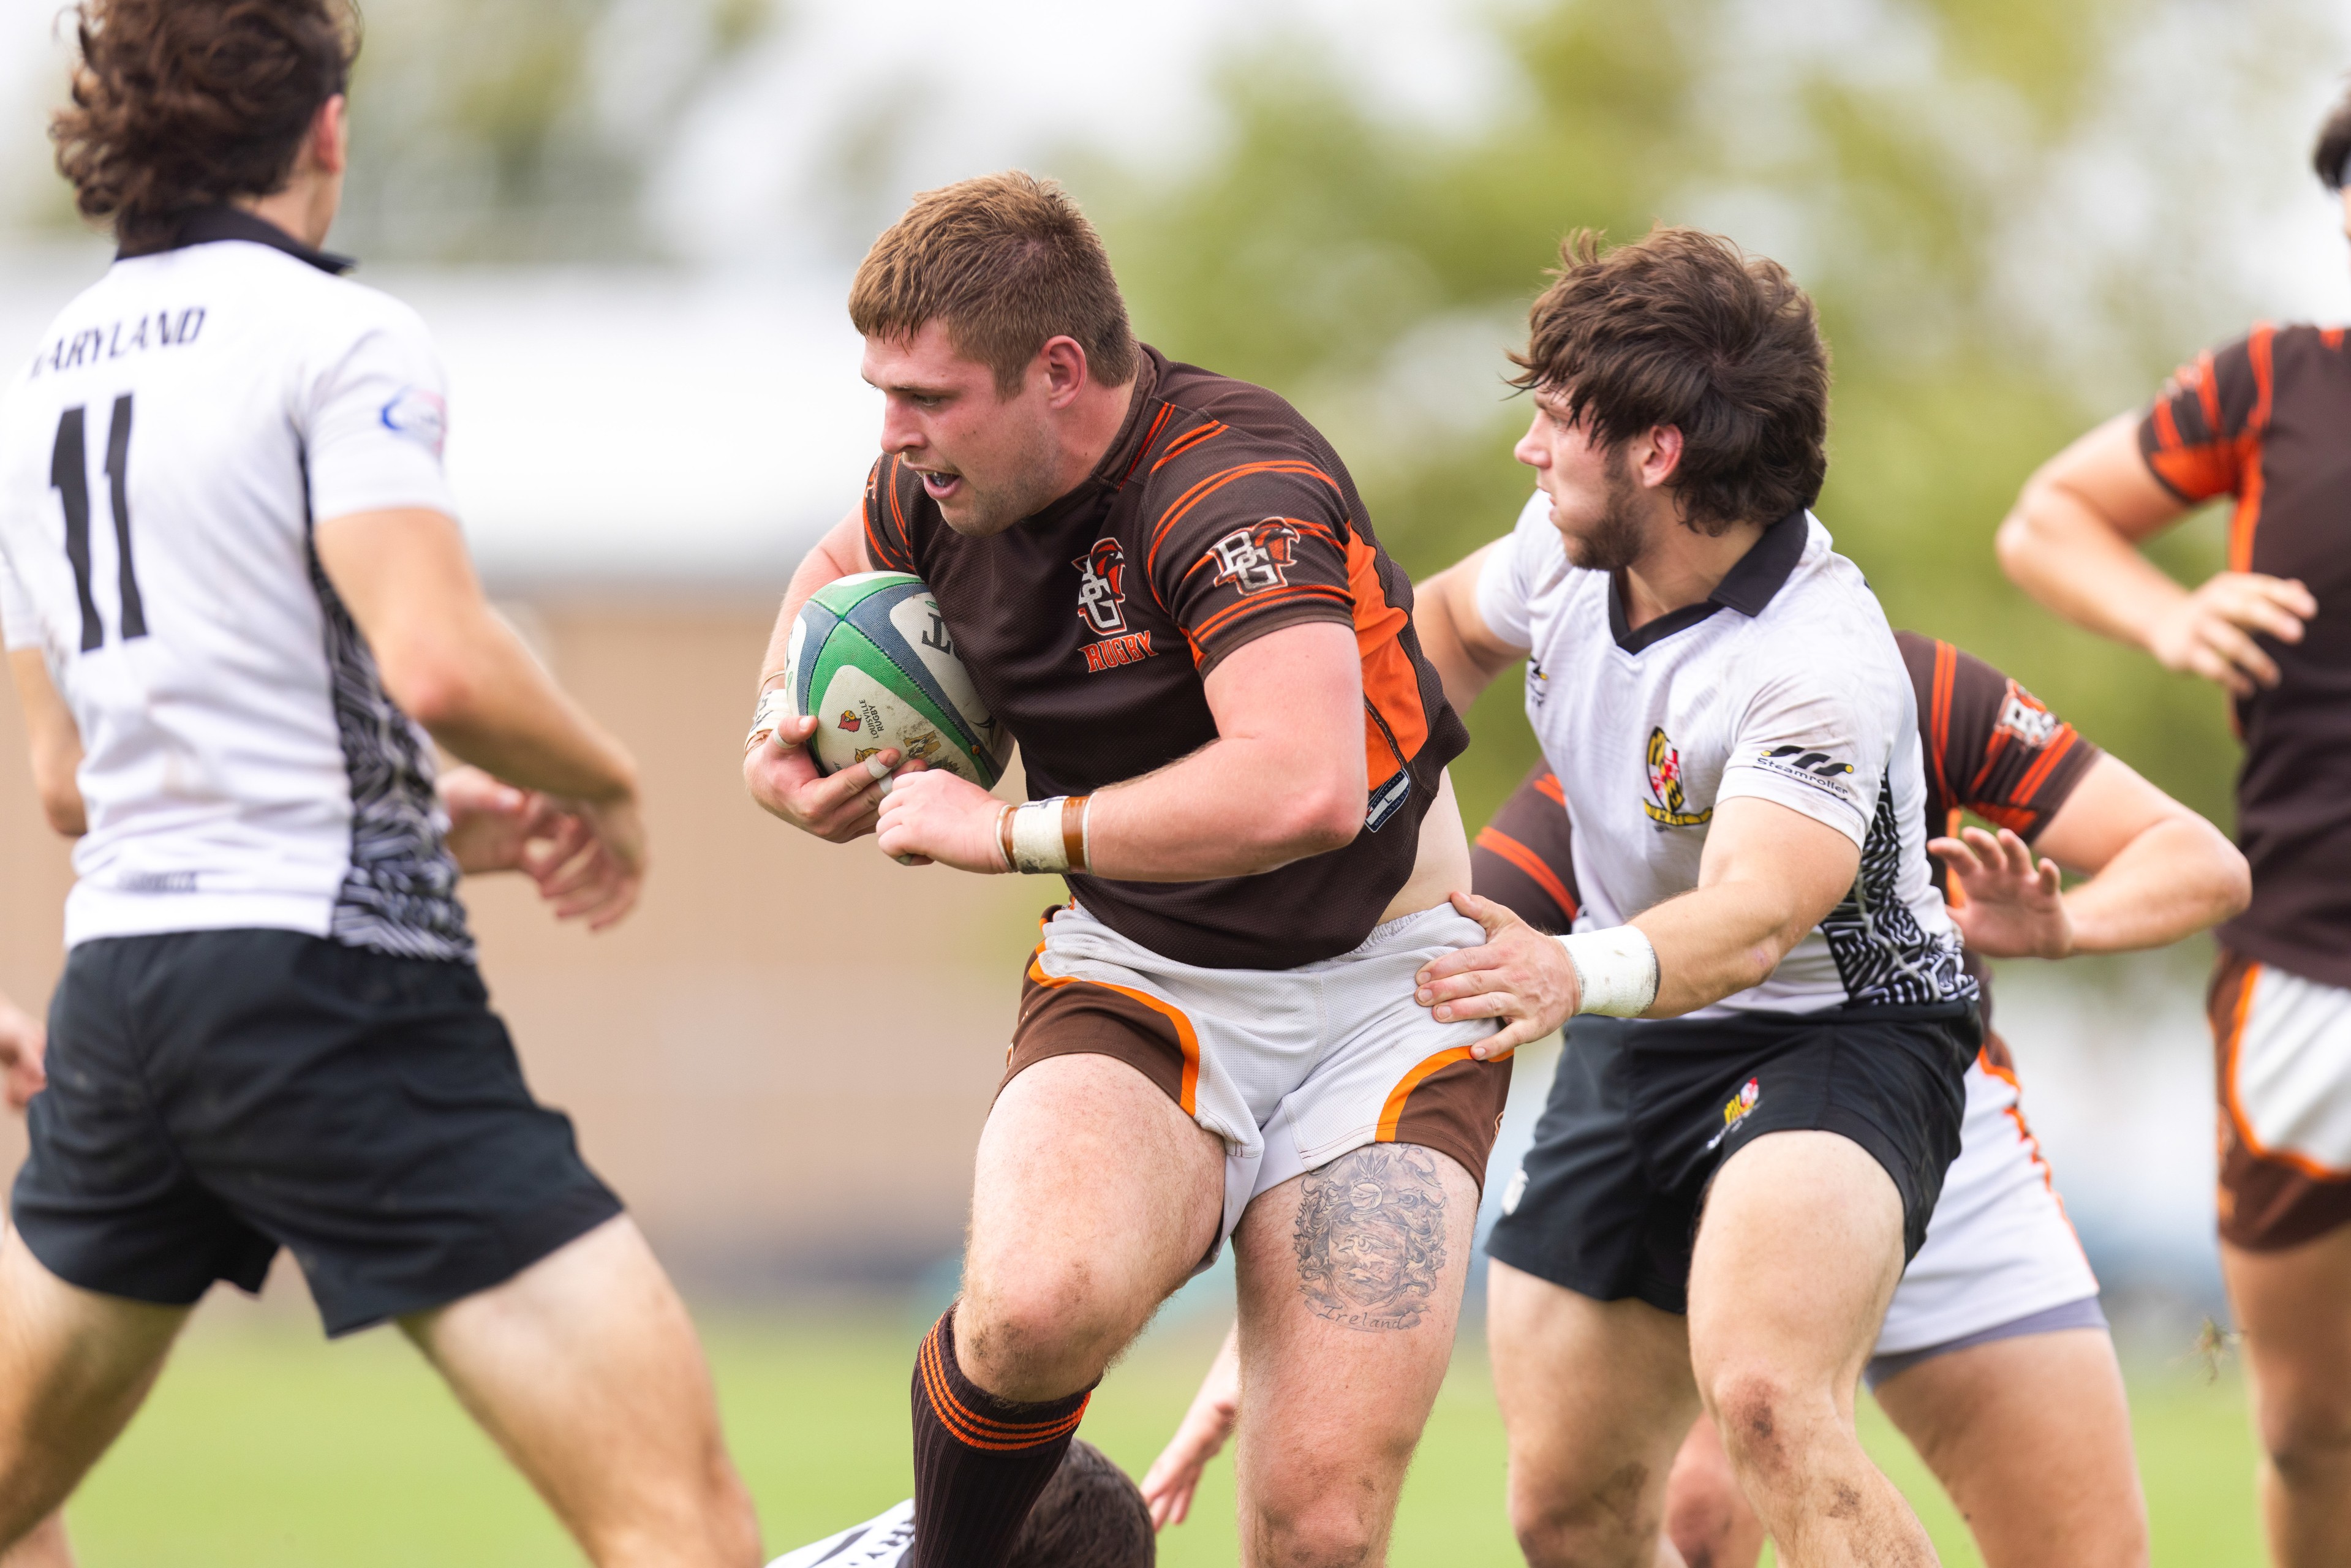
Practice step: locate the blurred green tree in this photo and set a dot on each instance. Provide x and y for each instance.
(1913, 174)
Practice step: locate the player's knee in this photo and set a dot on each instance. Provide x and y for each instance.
(2307, 1435)
(1042, 1336)
(1615, 1522)
(1764, 1419)
(1332, 1530)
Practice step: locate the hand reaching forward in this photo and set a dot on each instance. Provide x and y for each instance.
(588, 858)
(23, 1045)
(2008, 907)
(1519, 975)
(2210, 632)
(1174, 1476)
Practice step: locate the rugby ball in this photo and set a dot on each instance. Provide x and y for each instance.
(871, 659)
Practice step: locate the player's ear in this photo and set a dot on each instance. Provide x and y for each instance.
(329, 142)
(1064, 361)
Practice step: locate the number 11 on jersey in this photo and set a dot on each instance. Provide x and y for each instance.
(69, 477)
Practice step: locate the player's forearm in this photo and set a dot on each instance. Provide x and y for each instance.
(841, 553)
(55, 741)
(1237, 807)
(2060, 550)
(1717, 941)
(492, 705)
(1443, 616)
(2176, 878)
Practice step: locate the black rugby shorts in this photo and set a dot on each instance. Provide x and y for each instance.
(215, 1095)
(1643, 1112)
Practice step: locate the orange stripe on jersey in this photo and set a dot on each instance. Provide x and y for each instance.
(1203, 488)
(2038, 774)
(1548, 784)
(1527, 860)
(1390, 683)
(1953, 894)
(1947, 674)
(1189, 440)
(1157, 424)
(1232, 613)
(2246, 518)
(1184, 1037)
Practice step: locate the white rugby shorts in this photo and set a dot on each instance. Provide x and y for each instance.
(1292, 1068)
(2284, 1047)
(1999, 1246)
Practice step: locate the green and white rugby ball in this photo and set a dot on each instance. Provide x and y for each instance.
(871, 659)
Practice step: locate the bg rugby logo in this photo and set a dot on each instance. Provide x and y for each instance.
(1667, 806)
(2024, 716)
(1256, 557)
(1101, 587)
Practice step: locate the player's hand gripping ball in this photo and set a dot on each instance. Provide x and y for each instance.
(931, 815)
(870, 660)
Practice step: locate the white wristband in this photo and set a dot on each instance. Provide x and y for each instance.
(1038, 847)
(1616, 971)
(775, 706)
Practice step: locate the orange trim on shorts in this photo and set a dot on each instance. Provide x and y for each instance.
(2032, 1141)
(1184, 1037)
(1392, 1114)
(2314, 1169)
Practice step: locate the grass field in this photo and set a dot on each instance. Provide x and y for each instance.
(264, 1447)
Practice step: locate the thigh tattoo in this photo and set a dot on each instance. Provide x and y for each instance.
(1370, 1236)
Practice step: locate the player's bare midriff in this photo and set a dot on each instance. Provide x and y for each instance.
(1442, 868)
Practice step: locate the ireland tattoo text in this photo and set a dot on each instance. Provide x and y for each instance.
(1370, 1236)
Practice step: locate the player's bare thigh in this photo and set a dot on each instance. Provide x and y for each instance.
(2294, 1307)
(2031, 1436)
(1094, 1199)
(586, 1370)
(74, 1366)
(1596, 1396)
(1350, 1281)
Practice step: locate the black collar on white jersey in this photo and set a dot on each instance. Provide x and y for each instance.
(206, 224)
(1751, 583)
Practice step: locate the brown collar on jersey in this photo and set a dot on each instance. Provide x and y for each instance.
(206, 224)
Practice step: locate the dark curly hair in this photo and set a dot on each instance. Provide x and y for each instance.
(183, 104)
(1684, 329)
(2332, 156)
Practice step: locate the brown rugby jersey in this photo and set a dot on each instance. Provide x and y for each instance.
(1990, 748)
(1218, 516)
(2268, 420)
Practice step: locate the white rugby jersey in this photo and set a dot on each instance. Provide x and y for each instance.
(1786, 684)
(885, 1540)
(162, 458)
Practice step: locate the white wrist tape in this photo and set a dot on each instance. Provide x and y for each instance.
(1038, 846)
(775, 706)
(1616, 971)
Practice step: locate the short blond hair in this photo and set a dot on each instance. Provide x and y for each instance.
(1007, 262)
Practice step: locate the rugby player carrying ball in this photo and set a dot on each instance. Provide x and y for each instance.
(1217, 1036)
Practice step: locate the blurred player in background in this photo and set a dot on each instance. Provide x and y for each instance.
(1741, 1149)
(2265, 419)
(235, 601)
(1994, 1358)
(1217, 1037)
(1089, 1515)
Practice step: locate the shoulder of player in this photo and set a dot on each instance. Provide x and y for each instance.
(1231, 460)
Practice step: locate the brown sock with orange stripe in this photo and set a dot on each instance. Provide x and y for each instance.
(980, 1462)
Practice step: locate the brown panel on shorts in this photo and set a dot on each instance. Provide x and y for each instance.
(1456, 1110)
(2266, 1203)
(1082, 1018)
